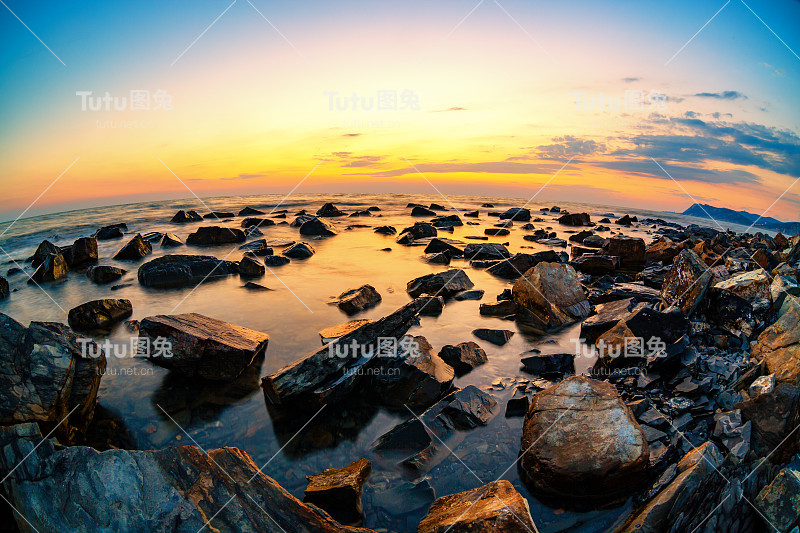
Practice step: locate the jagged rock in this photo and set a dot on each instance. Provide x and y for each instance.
(485, 250)
(575, 219)
(578, 237)
(45, 375)
(595, 264)
(5, 290)
(186, 216)
(653, 276)
(114, 231)
(516, 213)
(434, 306)
(182, 270)
(761, 385)
(445, 284)
(256, 222)
(385, 230)
(177, 489)
(152, 236)
(214, 235)
(687, 282)
(606, 317)
(779, 502)
(630, 250)
(748, 285)
(301, 219)
(517, 406)
(437, 259)
(338, 490)
(52, 268)
(104, 274)
(495, 336)
(733, 432)
(276, 260)
(625, 220)
(203, 347)
(251, 267)
(356, 300)
(495, 507)
(300, 250)
(44, 249)
(417, 377)
(639, 337)
(663, 250)
(781, 287)
(779, 344)
(419, 230)
(250, 211)
(317, 226)
(419, 211)
(135, 249)
(549, 365)
(595, 451)
(170, 240)
(82, 251)
(774, 416)
(549, 296)
(463, 357)
(99, 314)
(516, 265)
(330, 210)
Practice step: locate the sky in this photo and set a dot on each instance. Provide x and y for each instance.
(644, 104)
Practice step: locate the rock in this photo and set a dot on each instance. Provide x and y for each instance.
(135, 249)
(596, 451)
(250, 211)
(575, 219)
(781, 287)
(114, 231)
(594, 241)
(516, 213)
(476, 294)
(335, 332)
(419, 211)
(550, 296)
(356, 300)
(45, 375)
(686, 283)
(748, 285)
(385, 230)
(5, 290)
(275, 260)
(104, 274)
(317, 226)
(495, 336)
(181, 270)
(203, 347)
(449, 221)
(445, 284)
(726, 311)
(177, 489)
(442, 246)
(251, 267)
(518, 264)
(625, 220)
(255, 286)
(502, 308)
(330, 210)
(186, 216)
(170, 240)
(495, 507)
(152, 236)
(517, 406)
(472, 214)
(256, 222)
(99, 314)
(52, 268)
(82, 251)
(44, 249)
(606, 317)
(779, 344)
(434, 306)
(663, 250)
(218, 215)
(300, 250)
(463, 357)
(733, 433)
(338, 490)
(419, 230)
(215, 235)
(779, 502)
(595, 264)
(483, 251)
(630, 250)
(549, 365)
(762, 385)
(301, 219)
(437, 259)
(774, 416)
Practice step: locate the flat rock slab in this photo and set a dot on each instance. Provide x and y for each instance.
(202, 346)
(334, 332)
(338, 490)
(356, 300)
(495, 336)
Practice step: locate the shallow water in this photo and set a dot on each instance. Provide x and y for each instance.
(160, 410)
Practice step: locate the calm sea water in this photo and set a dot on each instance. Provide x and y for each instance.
(160, 410)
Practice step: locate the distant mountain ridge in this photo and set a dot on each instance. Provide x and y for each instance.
(743, 218)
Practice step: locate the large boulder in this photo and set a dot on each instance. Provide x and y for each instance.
(416, 377)
(317, 226)
(182, 270)
(463, 357)
(779, 502)
(687, 282)
(495, 507)
(581, 442)
(45, 373)
(575, 219)
(774, 414)
(299, 250)
(779, 345)
(550, 296)
(445, 284)
(52, 268)
(99, 314)
(518, 264)
(112, 231)
(101, 274)
(748, 285)
(663, 250)
(338, 490)
(630, 250)
(201, 346)
(178, 489)
(356, 300)
(517, 213)
(44, 249)
(134, 249)
(213, 235)
(82, 251)
(329, 210)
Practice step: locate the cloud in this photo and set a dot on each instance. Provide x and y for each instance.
(488, 167)
(630, 80)
(569, 146)
(450, 109)
(775, 71)
(351, 135)
(244, 177)
(724, 95)
(349, 160)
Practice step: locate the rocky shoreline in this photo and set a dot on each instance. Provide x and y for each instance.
(685, 421)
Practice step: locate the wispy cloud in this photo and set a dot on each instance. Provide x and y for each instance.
(724, 95)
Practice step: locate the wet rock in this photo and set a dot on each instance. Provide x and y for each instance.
(356, 300)
(774, 416)
(496, 232)
(385, 230)
(748, 285)
(437, 259)
(215, 235)
(687, 282)
(762, 385)
(575, 219)
(463, 357)
(317, 226)
(779, 502)
(517, 406)
(550, 296)
(170, 240)
(218, 215)
(275, 260)
(135, 249)
(44, 249)
(250, 211)
(663, 250)
(594, 241)
(52, 268)
(606, 317)
(625, 220)
(516, 265)
(549, 365)
(5, 291)
(178, 489)
(449, 221)
(596, 450)
(779, 344)
(255, 287)
(114, 231)
(330, 210)
(338, 490)
(202, 346)
(484, 251)
(252, 223)
(104, 274)
(186, 216)
(445, 284)
(434, 305)
(630, 250)
(251, 267)
(495, 507)
(580, 236)
(181, 270)
(472, 214)
(419, 211)
(516, 213)
(476, 294)
(335, 332)
(595, 264)
(99, 314)
(45, 376)
(502, 308)
(496, 336)
(300, 250)
(82, 251)
(781, 287)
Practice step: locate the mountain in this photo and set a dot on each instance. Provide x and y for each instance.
(743, 218)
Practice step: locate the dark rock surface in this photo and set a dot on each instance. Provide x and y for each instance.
(186, 216)
(445, 284)
(215, 235)
(99, 314)
(105, 274)
(135, 249)
(463, 357)
(53, 267)
(300, 250)
(181, 270)
(338, 490)
(356, 300)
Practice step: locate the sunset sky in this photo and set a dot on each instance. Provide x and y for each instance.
(489, 98)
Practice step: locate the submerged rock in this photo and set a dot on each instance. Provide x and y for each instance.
(186, 216)
(495, 336)
(419, 211)
(416, 377)
(250, 211)
(105, 274)
(135, 249)
(330, 210)
(201, 346)
(445, 284)
(385, 230)
(276, 260)
(214, 235)
(52, 268)
(317, 226)
(182, 270)
(338, 490)
(114, 231)
(335, 332)
(463, 357)
(300, 250)
(550, 296)
(99, 314)
(251, 267)
(356, 300)
(575, 219)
